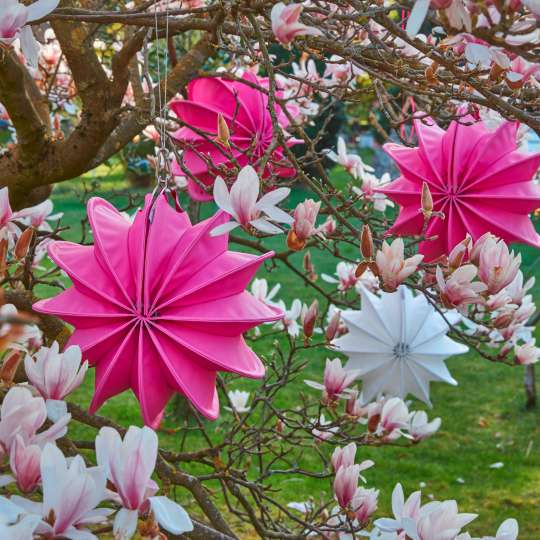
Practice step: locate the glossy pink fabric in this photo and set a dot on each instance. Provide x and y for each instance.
(245, 111)
(159, 307)
(478, 179)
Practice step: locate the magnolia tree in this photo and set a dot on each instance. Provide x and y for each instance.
(240, 100)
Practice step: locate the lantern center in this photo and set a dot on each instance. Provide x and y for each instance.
(401, 350)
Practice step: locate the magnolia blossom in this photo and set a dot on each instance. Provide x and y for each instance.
(39, 215)
(8, 228)
(420, 427)
(290, 319)
(517, 289)
(55, 374)
(392, 266)
(528, 353)
(241, 203)
(439, 519)
(352, 163)
(346, 276)
(498, 266)
(328, 227)
(24, 460)
(406, 512)
(343, 457)
(336, 380)
(394, 417)
(459, 289)
(370, 184)
(364, 503)
(346, 484)
(14, 19)
(286, 23)
(129, 464)
(259, 289)
(23, 414)
(324, 429)
(455, 11)
(341, 71)
(15, 523)
(239, 401)
(303, 227)
(71, 493)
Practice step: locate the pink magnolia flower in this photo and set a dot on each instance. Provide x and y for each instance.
(129, 464)
(346, 276)
(441, 520)
(346, 484)
(364, 503)
(8, 229)
(242, 204)
(392, 265)
(56, 374)
(328, 227)
(37, 216)
(420, 428)
(517, 289)
(71, 492)
(303, 227)
(343, 457)
(15, 523)
(336, 380)
(14, 17)
(527, 354)
(394, 415)
(352, 163)
(23, 414)
(286, 23)
(405, 511)
(24, 460)
(498, 266)
(458, 289)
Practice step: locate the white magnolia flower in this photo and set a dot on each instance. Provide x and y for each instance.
(241, 203)
(239, 401)
(352, 163)
(398, 343)
(259, 289)
(290, 319)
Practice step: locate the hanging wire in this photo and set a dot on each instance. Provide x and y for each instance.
(163, 165)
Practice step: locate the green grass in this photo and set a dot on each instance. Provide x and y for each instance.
(484, 422)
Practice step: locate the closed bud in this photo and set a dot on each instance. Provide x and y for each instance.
(223, 133)
(309, 268)
(310, 317)
(9, 367)
(3, 257)
(427, 201)
(293, 242)
(366, 243)
(333, 326)
(373, 423)
(23, 243)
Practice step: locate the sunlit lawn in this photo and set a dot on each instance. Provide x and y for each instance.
(484, 422)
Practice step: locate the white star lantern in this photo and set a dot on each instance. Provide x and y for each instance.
(398, 344)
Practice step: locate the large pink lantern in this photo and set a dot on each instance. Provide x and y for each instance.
(159, 306)
(245, 111)
(478, 178)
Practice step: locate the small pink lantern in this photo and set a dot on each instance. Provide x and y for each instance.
(159, 306)
(478, 178)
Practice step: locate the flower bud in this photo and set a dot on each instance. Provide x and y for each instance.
(223, 133)
(333, 326)
(9, 367)
(23, 243)
(427, 201)
(310, 317)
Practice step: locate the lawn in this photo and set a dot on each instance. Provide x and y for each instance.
(483, 422)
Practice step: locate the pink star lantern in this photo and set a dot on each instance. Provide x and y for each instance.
(245, 111)
(478, 179)
(159, 306)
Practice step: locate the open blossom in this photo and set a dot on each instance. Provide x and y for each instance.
(405, 511)
(239, 401)
(303, 227)
(517, 289)
(39, 215)
(129, 464)
(364, 503)
(346, 276)
(324, 429)
(459, 289)
(336, 380)
(338, 70)
(392, 265)
(290, 319)
(497, 266)
(71, 493)
(439, 520)
(352, 163)
(328, 227)
(14, 19)
(394, 415)
(527, 354)
(455, 11)
(286, 23)
(15, 523)
(370, 184)
(241, 203)
(56, 374)
(23, 414)
(259, 289)
(420, 428)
